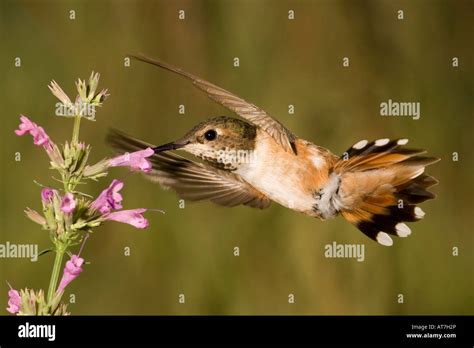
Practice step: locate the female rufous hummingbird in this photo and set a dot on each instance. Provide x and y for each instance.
(374, 185)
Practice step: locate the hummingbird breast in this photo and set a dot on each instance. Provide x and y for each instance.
(287, 178)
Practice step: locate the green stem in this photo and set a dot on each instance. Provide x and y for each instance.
(64, 181)
(75, 130)
(58, 260)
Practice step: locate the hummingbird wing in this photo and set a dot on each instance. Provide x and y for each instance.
(191, 180)
(244, 109)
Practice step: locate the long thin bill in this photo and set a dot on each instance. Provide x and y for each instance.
(167, 147)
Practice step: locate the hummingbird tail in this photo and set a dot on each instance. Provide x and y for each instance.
(381, 185)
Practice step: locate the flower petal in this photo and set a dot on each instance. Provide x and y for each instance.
(39, 135)
(47, 195)
(132, 217)
(68, 203)
(14, 301)
(135, 160)
(109, 199)
(72, 269)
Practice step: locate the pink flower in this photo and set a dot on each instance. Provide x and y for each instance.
(14, 301)
(135, 160)
(71, 271)
(68, 203)
(109, 199)
(39, 135)
(133, 217)
(40, 138)
(47, 195)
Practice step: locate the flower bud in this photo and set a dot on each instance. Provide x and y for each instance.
(35, 217)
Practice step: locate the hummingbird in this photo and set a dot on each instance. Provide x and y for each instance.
(255, 160)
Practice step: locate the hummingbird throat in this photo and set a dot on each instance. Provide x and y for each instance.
(228, 158)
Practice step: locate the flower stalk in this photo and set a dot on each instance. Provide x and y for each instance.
(76, 129)
(58, 261)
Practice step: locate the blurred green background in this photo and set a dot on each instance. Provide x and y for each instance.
(282, 62)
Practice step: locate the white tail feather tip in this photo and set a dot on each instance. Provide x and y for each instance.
(384, 239)
(419, 213)
(402, 141)
(382, 142)
(402, 230)
(360, 145)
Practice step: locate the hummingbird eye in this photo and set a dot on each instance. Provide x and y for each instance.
(210, 135)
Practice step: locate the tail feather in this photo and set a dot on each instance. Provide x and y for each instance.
(415, 191)
(378, 152)
(381, 185)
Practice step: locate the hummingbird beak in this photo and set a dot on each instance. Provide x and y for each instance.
(168, 147)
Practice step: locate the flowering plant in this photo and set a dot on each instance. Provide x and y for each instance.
(69, 215)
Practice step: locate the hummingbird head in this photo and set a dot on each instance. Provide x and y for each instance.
(223, 141)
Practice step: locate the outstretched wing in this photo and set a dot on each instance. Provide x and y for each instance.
(234, 103)
(191, 180)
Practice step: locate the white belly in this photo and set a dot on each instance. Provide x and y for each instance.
(276, 178)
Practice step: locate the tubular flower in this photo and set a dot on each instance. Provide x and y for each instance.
(14, 301)
(132, 217)
(72, 269)
(110, 199)
(68, 203)
(136, 160)
(39, 135)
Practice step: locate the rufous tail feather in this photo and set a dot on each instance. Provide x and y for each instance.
(381, 185)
